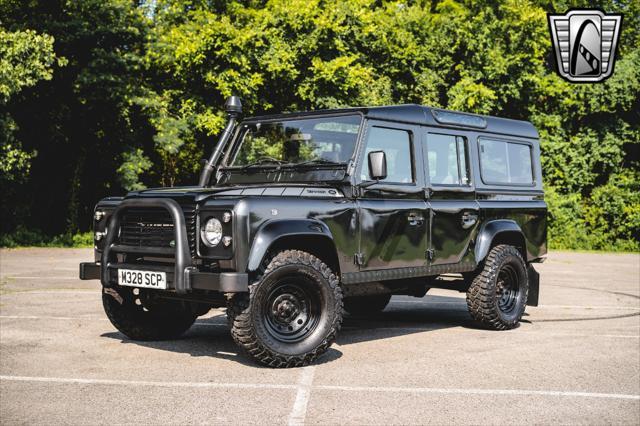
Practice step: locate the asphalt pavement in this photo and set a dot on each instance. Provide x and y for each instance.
(575, 359)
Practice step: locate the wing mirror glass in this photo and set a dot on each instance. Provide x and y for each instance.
(377, 165)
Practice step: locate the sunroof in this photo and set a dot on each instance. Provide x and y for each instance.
(446, 117)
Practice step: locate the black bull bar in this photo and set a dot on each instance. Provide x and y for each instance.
(185, 275)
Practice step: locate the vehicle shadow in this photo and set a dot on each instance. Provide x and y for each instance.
(210, 336)
(407, 315)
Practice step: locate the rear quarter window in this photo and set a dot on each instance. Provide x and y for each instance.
(505, 163)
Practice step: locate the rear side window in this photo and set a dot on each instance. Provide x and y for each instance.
(397, 146)
(505, 163)
(447, 160)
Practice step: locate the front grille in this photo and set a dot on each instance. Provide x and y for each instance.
(190, 221)
(153, 227)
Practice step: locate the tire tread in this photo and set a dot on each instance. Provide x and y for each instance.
(243, 332)
(481, 293)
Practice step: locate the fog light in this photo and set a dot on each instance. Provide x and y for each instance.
(226, 241)
(100, 235)
(226, 217)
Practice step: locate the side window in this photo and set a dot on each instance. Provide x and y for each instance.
(447, 159)
(505, 162)
(397, 146)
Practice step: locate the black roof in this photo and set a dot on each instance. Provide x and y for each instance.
(419, 114)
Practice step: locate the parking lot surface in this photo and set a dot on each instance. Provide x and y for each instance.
(574, 359)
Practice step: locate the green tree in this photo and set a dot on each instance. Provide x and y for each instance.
(25, 59)
(80, 117)
(140, 100)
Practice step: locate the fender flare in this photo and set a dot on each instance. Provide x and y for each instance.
(489, 231)
(275, 230)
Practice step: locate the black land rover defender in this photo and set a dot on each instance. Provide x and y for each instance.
(300, 217)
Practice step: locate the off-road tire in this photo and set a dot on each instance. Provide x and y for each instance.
(248, 315)
(483, 298)
(160, 320)
(366, 305)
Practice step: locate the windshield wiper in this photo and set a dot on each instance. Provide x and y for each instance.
(263, 161)
(270, 161)
(318, 161)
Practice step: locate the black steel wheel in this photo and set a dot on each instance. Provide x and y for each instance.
(292, 313)
(497, 296)
(366, 305)
(293, 309)
(139, 316)
(508, 289)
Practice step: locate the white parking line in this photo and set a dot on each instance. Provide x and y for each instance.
(43, 277)
(462, 303)
(516, 392)
(511, 332)
(214, 385)
(42, 317)
(349, 328)
(29, 292)
(306, 380)
(621, 308)
(299, 411)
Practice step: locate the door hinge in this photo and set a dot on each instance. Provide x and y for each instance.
(358, 259)
(430, 254)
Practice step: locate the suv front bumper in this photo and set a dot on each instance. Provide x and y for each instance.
(224, 282)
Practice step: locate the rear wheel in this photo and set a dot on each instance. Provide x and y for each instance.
(497, 296)
(366, 305)
(140, 317)
(291, 315)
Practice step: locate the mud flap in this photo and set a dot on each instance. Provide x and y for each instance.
(534, 286)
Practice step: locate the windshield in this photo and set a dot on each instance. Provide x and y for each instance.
(325, 140)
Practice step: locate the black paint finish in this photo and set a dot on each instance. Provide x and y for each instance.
(180, 252)
(366, 231)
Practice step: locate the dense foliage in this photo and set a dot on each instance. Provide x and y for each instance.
(101, 96)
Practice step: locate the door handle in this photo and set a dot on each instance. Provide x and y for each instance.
(415, 219)
(468, 220)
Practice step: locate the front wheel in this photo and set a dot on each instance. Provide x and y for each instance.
(291, 315)
(497, 296)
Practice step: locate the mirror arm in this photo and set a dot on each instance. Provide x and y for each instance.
(368, 183)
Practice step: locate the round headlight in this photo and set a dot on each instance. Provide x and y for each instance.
(211, 232)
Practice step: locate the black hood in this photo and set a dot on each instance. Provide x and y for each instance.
(186, 194)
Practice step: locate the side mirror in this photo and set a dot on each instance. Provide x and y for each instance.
(377, 165)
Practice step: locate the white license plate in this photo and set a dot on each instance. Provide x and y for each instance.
(146, 279)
